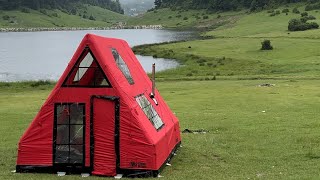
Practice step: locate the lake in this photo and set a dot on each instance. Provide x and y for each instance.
(44, 55)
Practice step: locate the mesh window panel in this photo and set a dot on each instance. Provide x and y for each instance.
(69, 136)
(63, 134)
(62, 114)
(149, 111)
(76, 134)
(76, 114)
(62, 154)
(76, 154)
(122, 66)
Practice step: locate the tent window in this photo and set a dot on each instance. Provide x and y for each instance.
(86, 73)
(122, 66)
(150, 112)
(69, 133)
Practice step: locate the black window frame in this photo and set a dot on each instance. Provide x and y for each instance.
(149, 105)
(86, 51)
(55, 134)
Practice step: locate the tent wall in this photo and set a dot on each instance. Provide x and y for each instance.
(141, 146)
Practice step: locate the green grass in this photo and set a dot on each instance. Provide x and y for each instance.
(234, 51)
(104, 18)
(241, 57)
(254, 132)
(262, 25)
(243, 141)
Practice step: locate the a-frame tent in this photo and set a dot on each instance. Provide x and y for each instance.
(100, 117)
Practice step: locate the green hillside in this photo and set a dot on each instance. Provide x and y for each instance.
(57, 18)
(70, 6)
(234, 50)
(187, 19)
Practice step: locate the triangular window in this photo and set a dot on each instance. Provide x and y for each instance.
(86, 73)
(122, 66)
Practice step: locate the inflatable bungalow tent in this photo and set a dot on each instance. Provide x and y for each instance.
(101, 118)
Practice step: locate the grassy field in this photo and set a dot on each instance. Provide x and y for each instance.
(254, 132)
(234, 50)
(57, 18)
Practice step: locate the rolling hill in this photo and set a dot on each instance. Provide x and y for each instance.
(86, 16)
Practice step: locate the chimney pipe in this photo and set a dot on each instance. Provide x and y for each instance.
(153, 78)
(152, 95)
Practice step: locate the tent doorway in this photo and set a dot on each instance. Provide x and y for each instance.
(104, 135)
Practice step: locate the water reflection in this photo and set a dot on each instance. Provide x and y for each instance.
(161, 63)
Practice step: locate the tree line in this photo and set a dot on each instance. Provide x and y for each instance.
(226, 5)
(113, 5)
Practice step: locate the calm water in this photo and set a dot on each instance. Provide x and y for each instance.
(44, 55)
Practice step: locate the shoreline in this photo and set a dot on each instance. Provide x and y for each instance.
(39, 29)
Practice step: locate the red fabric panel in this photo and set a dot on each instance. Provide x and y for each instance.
(104, 160)
(35, 146)
(136, 148)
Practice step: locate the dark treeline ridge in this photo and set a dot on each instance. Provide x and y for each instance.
(227, 5)
(68, 5)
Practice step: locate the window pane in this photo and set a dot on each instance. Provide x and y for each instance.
(87, 61)
(79, 74)
(122, 66)
(62, 114)
(100, 80)
(62, 134)
(76, 113)
(76, 154)
(76, 134)
(62, 154)
(157, 122)
(149, 111)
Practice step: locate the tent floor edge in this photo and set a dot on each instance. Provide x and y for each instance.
(51, 169)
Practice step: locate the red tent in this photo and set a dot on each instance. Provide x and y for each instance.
(100, 117)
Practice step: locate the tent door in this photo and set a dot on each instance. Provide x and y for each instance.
(104, 135)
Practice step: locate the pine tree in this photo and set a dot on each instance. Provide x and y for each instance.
(157, 3)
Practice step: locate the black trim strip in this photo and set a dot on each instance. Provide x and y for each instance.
(117, 128)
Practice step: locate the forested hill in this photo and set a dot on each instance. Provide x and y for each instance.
(226, 5)
(68, 5)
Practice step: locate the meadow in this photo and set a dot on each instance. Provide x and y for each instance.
(233, 49)
(254, 132)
